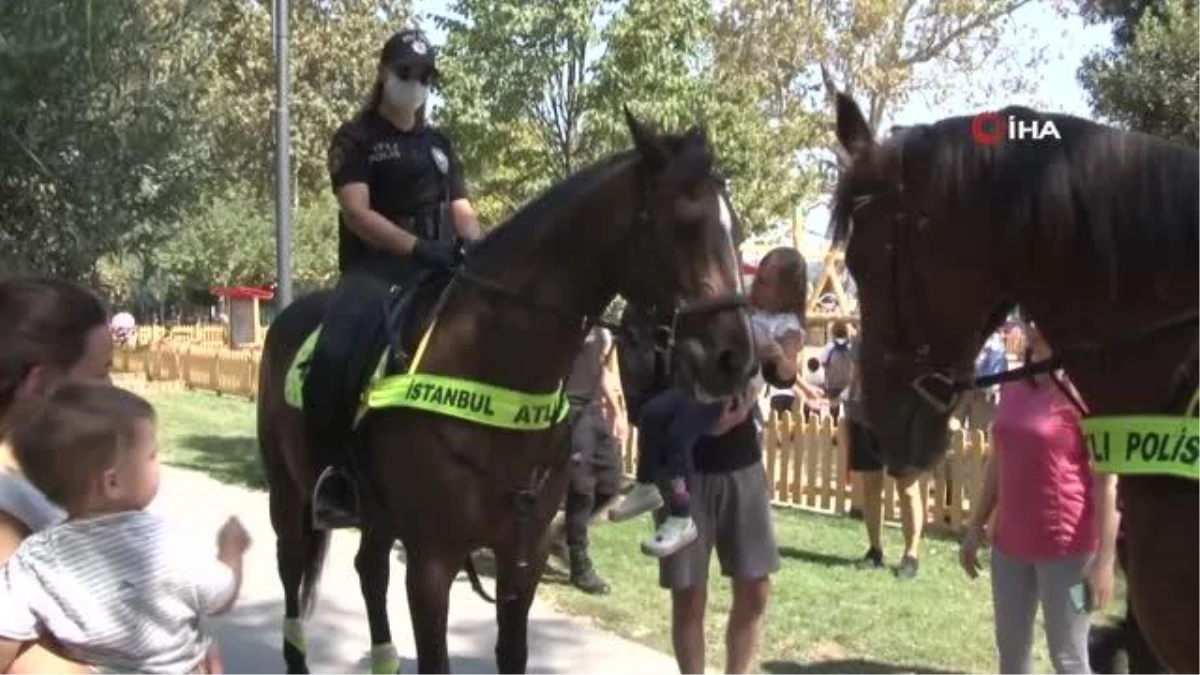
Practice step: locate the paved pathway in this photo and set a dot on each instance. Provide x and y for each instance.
(337, 632)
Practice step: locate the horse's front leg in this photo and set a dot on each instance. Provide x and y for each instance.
(373, 576)
(519, 566)
(428, 581)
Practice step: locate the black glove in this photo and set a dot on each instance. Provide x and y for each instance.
(436, 253)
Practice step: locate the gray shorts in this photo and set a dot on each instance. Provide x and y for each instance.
(733, 513)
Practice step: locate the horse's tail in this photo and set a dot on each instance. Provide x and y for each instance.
(476, 584)
(291, 510)
(314, 564)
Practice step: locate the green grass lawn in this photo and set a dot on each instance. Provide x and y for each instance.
(824, 616)
(209, 433)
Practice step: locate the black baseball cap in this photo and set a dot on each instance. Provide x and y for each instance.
(408, 48)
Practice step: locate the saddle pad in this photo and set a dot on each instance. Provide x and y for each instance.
(477, 402)
(293, 383)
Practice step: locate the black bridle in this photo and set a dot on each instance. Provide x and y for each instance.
(939, 386)
(667, 312)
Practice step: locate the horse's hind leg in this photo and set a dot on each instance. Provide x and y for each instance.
(428, 580)
(292, 551)
(374, 575)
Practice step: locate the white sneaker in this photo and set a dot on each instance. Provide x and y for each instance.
(642, 498)
(672, 535)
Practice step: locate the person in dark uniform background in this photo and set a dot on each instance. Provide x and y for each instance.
(400, 189)
(596, 424)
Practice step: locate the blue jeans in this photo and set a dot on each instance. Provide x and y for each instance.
(670, 425)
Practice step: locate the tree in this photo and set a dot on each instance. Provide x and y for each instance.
(533, 93)
(879, 51)
(653, 64)
(334, 47)
(1148, 80)
(96, 126)
(229, 240)
(1125, 15)
(517, 80)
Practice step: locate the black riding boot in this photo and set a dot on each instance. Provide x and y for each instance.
(583, 574)
(335, 500)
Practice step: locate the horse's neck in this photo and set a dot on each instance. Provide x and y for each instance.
(1134, 377)
(571, 261)
(565, 268)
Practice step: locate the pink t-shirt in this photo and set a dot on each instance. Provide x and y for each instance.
(1045, 506)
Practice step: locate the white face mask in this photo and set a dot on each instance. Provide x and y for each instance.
(404, 94)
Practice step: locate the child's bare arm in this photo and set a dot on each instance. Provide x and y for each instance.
(234, 563)
(216, 582)
(9, 649)
(232, 542)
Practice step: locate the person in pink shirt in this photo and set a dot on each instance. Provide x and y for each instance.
(1054, 538)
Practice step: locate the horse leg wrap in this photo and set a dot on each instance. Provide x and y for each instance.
(295, 648)
(384, 659)
(524, 502)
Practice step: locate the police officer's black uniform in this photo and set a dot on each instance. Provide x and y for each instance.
(595, 469)
(411, 176)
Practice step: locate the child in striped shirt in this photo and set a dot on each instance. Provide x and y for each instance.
(113, 584)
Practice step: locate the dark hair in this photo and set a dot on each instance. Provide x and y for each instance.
(793, 278)
(42, 322)
(840, 330)
(77, 433)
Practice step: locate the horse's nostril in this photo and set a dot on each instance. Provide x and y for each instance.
(726, 361)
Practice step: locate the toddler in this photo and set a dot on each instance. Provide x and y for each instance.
(669, 426)
(113, 584)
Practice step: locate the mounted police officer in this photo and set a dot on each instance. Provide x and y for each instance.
(402, 200)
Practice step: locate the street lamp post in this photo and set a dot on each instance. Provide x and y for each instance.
(283, 163)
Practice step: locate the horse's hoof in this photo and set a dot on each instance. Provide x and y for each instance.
(295, 659)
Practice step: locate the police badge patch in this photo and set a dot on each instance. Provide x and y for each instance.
(440, 160)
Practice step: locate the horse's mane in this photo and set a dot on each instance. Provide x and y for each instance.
(554, 199)
(691, 156)
(1121, 195)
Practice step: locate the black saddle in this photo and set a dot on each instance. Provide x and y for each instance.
(364, 320)
(404, 311)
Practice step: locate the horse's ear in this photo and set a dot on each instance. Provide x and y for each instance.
(853, 132)
(698, 133)
(647, 142)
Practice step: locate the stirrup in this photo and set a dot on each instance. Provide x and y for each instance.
(330, 516)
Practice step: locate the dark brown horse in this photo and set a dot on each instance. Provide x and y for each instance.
(1094, 235)
(648, 224)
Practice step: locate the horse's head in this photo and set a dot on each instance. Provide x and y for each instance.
(917, 336)
(684, 266)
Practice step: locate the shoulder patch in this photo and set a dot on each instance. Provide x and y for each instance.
(440, 160)
(336, 158)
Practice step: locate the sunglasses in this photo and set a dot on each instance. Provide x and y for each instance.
(418, 73)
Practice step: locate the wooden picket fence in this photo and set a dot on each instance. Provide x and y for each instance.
(213, 335)
(805, 460)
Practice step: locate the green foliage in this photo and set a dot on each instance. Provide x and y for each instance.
(96, 126)
(139, 134)
(1148, 81)
(517, 89)
(229, 240)
(533, 92)
(333, 49)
